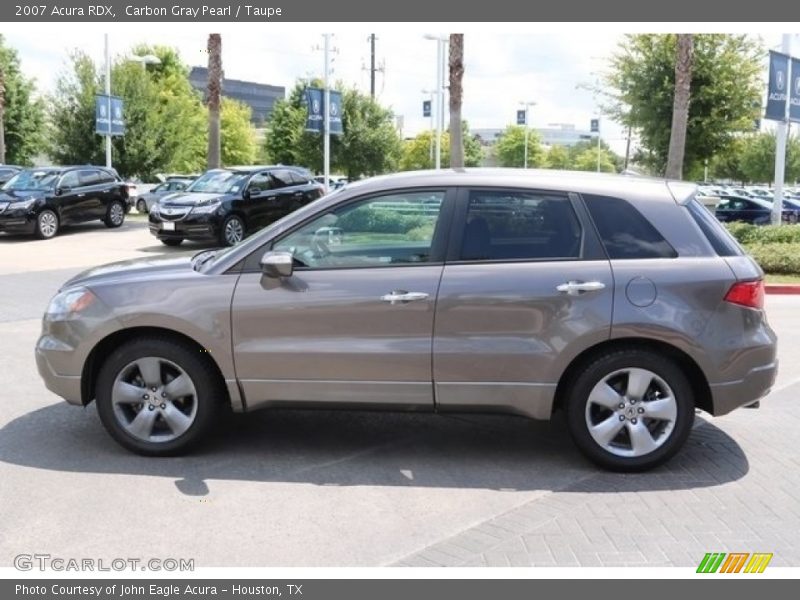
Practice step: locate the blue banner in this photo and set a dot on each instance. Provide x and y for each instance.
(315, 101)
(108, 115)
(794, 95)
(336, 111)
(520, 117)
(594, 126)
(426, 108)
(777, 92)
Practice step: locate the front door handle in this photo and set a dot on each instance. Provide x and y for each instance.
(402, 296)
(81, 195)
(574, 288)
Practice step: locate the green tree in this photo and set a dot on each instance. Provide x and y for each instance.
(586, 160)
(511, 148)
(371, 143)
(727, 163)
(726, 92)
(757, 160)
(23, 112)
(238, 137)
(417, 151)
(558, 158)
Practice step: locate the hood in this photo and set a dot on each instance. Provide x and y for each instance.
(17, 195)
(131, 270)
(189, 198)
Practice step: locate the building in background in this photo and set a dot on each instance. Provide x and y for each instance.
(260, 97)
(564, 134)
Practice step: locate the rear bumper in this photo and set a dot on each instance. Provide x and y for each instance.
(731, 395)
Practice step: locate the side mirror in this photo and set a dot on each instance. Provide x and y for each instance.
(277, 264)
(246, 193)
(63, 190)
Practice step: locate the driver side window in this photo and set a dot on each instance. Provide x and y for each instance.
(69, 180)
(380, 231)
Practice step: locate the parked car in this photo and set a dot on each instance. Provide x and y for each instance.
(147, 199)
(226, 205)
(618, 300)
(7, 172)
(42, 200)
(752, 210)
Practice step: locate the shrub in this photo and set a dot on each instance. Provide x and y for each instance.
(746, 233)
(779, 258)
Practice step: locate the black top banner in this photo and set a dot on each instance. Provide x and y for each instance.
(370, 11)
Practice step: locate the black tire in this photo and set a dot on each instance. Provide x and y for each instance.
(232, 220)
(115, 214)
(171, 241)
(601, 367)
(210, 393)
(47, 225)
(141, 206)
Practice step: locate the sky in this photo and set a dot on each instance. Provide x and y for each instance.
(504, 64)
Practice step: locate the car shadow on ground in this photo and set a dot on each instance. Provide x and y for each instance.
(186, 247)
(70, 230)
(349, 448)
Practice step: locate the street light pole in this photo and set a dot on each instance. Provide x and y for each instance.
(527, 106)
(327, 117)
(598, 145)
(440, 55)
(780, 143)
(108, 101)
(431, 94)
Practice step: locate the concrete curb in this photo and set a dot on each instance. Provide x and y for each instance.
(781, 288)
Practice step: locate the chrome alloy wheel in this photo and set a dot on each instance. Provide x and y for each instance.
(116, 214)
(234, 231)
(48, 224)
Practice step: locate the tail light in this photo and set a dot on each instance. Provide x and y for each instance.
(747, 293)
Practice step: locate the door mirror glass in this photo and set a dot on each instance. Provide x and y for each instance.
(63, 190)
(277, 264)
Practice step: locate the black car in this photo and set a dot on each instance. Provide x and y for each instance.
(7, 172)
(40, 201)
(752, 210)
(225, 205)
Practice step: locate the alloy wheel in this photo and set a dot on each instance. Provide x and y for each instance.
(234, 231)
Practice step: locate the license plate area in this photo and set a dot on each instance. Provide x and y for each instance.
(167, 226)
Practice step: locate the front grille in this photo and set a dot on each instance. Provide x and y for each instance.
(174, 213)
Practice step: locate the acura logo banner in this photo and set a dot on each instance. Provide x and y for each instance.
(777, 93)
(315, 120)
(794, 96)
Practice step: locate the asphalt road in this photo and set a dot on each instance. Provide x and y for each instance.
(297, 488)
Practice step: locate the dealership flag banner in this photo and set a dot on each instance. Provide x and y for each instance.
(108, 118)
(426, 108)
(777, 93)
(520, 117)
(794, 93)
(315, 101)
(336, 113)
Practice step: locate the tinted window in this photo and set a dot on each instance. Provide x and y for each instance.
(70, 180)
(105, 177)
(177, 185)
(626, 234)
(380, 231)
(297, 178)
(719, 238)
(519, 226)
(282, 178)
(88, 177)
(260, 182)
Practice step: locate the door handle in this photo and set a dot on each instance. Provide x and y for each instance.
(574, 288)
(81, 195)
(298, 194)
(402, 296)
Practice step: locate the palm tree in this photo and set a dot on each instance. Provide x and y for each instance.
(213, 93)
(456, 96)
(680, 105)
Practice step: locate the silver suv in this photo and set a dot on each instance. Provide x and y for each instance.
(619, 300)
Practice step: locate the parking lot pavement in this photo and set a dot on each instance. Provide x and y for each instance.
(341, 488)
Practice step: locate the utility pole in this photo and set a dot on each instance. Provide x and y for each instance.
(108, 101)
(598, 145)
(527, 104)
(780, 143)
(628, 148)
(372, 65)
(2, 116)
(327, 119)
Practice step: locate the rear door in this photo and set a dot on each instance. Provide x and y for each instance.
(90, 196)
(526, 288)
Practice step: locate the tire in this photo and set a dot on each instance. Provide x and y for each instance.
(47, 224)
(115, 215)
(171, 241)
(641, 442)
(178, 422)
(141, 206)
(227, 237)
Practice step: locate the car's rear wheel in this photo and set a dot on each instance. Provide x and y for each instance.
(141, 206)
(157, 396)
(46, 224)
(630, 410)
(171, 241)
(232, 231)
(115, 214)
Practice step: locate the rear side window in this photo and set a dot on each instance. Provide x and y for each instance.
(282, 178)
(105, 177)
(719, 238)
(626, 234)
(88, 177)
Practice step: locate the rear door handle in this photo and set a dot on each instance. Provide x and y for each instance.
(402, 296)
(574, 288)
(81, 195)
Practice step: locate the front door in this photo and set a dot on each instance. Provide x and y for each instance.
(354, 323)
(526, 288)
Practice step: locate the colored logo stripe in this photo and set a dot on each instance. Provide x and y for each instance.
(758, 562)
(716, 561)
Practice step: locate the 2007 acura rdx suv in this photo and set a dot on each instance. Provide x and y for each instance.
(225, 205)
(619, 300)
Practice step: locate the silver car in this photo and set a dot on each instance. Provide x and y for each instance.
(619, 300)
(146, 200)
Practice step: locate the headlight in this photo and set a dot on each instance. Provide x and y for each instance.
(206, 208)
(69, 303)
(23, 204)
(154, 210)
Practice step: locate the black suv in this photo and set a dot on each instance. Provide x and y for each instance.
(7, 172)
(225, 205)
(41, 200)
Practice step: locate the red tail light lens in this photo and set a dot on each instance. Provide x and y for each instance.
(747, 293)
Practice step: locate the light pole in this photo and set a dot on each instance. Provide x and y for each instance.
(430, 94)
(527, 105)
(327, 121)
(147, 59)
(780, 144)
(108, 101)
(598, 144)
(439, 90)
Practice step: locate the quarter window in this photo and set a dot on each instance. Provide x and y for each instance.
(520, 226)
(395, 229)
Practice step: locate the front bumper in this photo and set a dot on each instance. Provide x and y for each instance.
(18, 221)
(66, 386)
(191, 227)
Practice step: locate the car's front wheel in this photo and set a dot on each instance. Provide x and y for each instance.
(46, 224)
(115, 215)
(232, 231)
(630, 410)
(157, 396)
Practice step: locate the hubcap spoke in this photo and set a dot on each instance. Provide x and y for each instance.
(179, 387)
(142, 424)
(641, 440)
(177, 421)
(150, 369)
(604, 395)
(638, 382)
(663, 408)
(606, 430)
(126, 393)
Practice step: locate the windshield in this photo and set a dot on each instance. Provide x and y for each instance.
(218, 182)
(33, 180)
